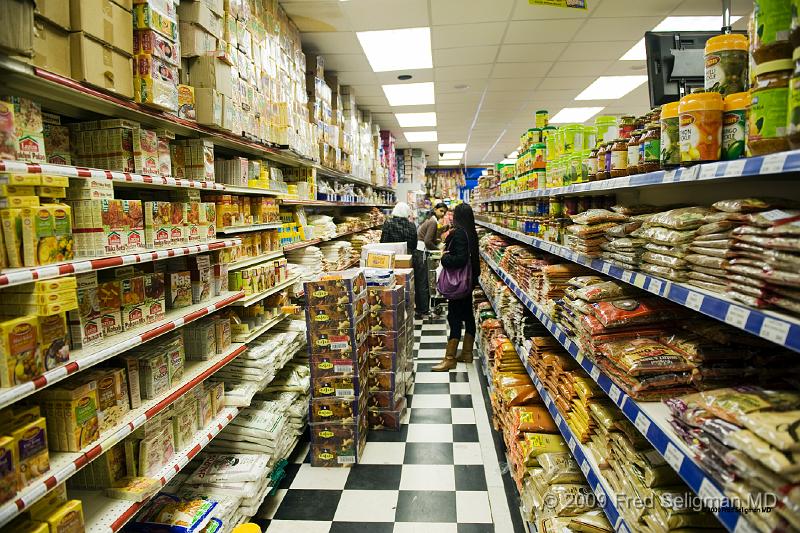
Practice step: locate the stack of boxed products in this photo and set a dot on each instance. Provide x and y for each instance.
(411, 164)
(391, 339)
(387, 151)
(337, 329)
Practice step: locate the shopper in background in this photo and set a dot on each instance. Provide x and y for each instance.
(427, 240)
(461, 246)
(399, 228)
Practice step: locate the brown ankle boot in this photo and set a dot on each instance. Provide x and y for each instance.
(449, 361)
(466, 349)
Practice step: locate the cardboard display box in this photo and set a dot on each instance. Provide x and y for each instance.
(17, 34)
(100, 65)
(104, 20)
(56, 11)
(51, 48)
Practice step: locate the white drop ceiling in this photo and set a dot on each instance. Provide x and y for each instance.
(513, 58)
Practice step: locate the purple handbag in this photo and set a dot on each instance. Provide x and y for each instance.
(456, 283)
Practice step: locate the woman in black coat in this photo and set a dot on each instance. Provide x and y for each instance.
(461, 246)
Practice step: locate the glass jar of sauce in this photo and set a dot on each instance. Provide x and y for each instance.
(619, 158)
(650, 149)
(634, 151)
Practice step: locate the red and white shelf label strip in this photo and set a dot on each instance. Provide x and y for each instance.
(21, 167)
(13, 394)
(74, 461)
(26, 275)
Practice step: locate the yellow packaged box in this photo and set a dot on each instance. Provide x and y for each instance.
(32, 454)
(9, 469)
(67, 519)
(20, 354)
(54, 181)
(19, 201)
(112, 397)
(76, 407)
(47, 235)
(12, 235)
(54, 339)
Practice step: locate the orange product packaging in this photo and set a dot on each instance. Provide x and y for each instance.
(700, 127)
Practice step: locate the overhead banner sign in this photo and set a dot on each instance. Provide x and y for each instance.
(569, 4)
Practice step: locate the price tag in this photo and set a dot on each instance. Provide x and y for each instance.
(547, 400)
(568, 344)
(579, 358)
(614, 393)
(735, 168)
(638, 280)
(585, 467)
(708, 171)
(655, 285)
(571, 444)
(623, 182)
(743, 526)
(595, 373)
(626, 276)
(669, 176)
(690, 173)
(737, 316)
(710, 494)
(559, 419)
(642, 423)
(694, 300)
(606, 267)
(774, 330)
(673, 456)
(773, 163)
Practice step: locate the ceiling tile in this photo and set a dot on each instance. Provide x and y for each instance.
(506, 96)
(615, 29)
(364, 89)
(514, 84)
(318, 16)
(587, 68)
(417, 76)
(596, 51)
(340, 42)
(462, 72)
(469, 11)
(458, 97)
(579, 82)
(693, 7)
(358, 78)
(470, 55)
(462, 35)
(517, 70)
(637, 8)
(541, 31)
(511, 53)
(455, 106)
(626, 68)
(473, 86)
(347, 63)
(370, 15)
(523, 10)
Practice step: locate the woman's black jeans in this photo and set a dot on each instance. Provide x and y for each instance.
(459, 313)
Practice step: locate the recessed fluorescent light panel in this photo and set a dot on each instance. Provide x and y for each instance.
(409, 94)
(420, 136)
(611, 87)
(405, 49)
(638, 52)
(453, 155)
(416, 120)
(452, 147)
(508, 161)
(449, 162)
(575, 114)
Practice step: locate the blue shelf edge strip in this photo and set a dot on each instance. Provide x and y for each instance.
(605, 500)
(770, 326)
(778, 163)
(694, 476)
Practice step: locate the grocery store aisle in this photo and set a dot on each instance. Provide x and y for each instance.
(440, 473)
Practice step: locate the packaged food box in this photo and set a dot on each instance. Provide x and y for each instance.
(56, 143)
(95, 63)
(222, 334)
(153, 375)
(339, 288)
(339, 436)
(204, 409)
(323, 456)
(217, 393)
(154, 296)
(186, 102)
(329, 363)
(47, 234)
(201, 280)
(385, 297)
(386, 399)
(149, 42)
(200, 340)
(333, 409)
(157, 224)
(338, 385)
(184, 424)
(9, 468)
(52, 193)
(85, 322)
(54, 339)
(108, 226)
(90, 189)
(337, 340)
(386, 341)
(49, 503)
(109, 294)
(132, 373)
(178, 223)
(387, 419)
(8, 131)
(112, 396)
(77, 420)
(29, 129)
(145, 155)
(21, 358)
(332, 317)
(133, 489)
(32, 454)
(155, 451)
(179, 289)
(384, 381)
(173, 348)
(155, 83)
(385, 361)
(145, 17)
(392, 319)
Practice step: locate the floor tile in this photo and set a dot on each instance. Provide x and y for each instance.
(429, 453)
(308, 505)
(388, 436)
(469, 477)
(473, 507)
(434, 400)
(293, 526)
(376, 477)
(460, 400)
(423, 387)
(430, 433)
(426, 376)
(367, 506)
(467, 453)
(463, 415)
(459, 388)
(427, 354)
(465, 433)
(428, 477)
(314, 477)
(404, 418)
(361, 527)
(301, 453)
(383, 453)
(433, 345)
(424, 527)
(290, 470)
(430, 416)
(459, 377)
(472, 528)
(271, 504)
(426, 366)
(426, 506)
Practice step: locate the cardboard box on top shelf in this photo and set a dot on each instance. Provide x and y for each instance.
(195, 41)
(56, 11)
(17, 34)
(208, 107)
(100, 65)
(199, 14)
(212, 73)
(51, 47)
(104, 20)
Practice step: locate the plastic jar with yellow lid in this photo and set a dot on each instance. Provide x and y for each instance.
(670, 137)
(734, 125)
(700, 117)
(606, 128)
(772, 22)
(769, 105)
(726, 63)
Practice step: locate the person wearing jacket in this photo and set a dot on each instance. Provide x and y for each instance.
(428, 240)
(399, 228)
(461, 247)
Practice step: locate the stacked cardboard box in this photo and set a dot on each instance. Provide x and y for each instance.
(388, 158)
(157, 58)
(337, 328)
(405, 276)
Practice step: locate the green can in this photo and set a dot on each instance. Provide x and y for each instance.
(734, 125)
(542, 118)
(573, 138)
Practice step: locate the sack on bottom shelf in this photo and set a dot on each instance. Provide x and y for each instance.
(166, 512)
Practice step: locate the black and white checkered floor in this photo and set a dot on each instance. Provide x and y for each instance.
(439, 474)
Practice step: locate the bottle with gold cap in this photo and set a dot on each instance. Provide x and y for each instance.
(700, 116)
(726, 63)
